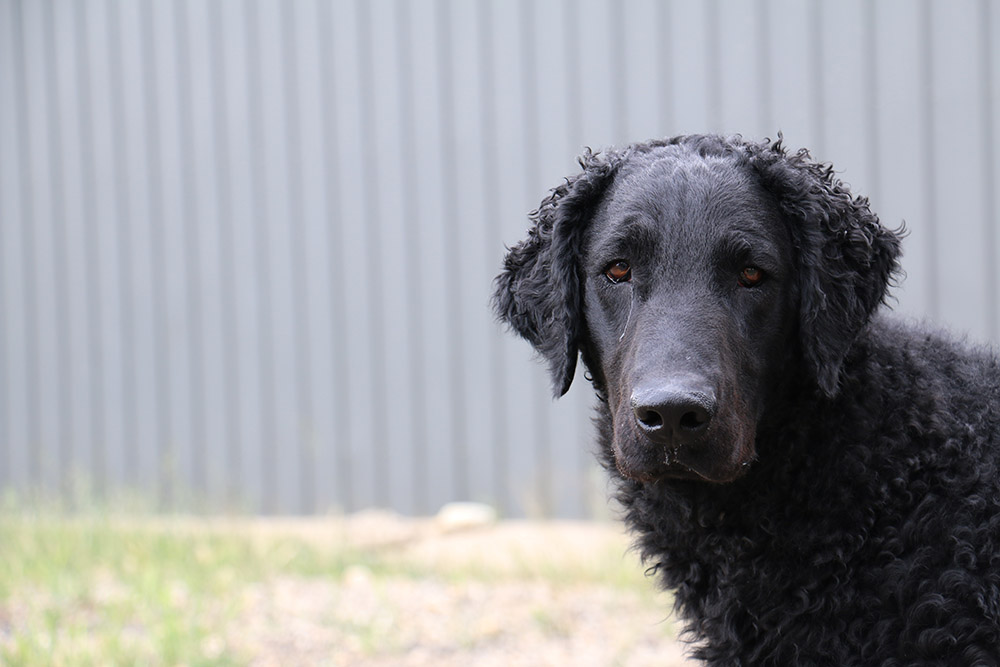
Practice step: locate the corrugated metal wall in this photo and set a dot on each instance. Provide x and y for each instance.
(246, 247)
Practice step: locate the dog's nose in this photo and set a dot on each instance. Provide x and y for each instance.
(673, 416)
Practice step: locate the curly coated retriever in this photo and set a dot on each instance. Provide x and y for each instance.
(817, 485)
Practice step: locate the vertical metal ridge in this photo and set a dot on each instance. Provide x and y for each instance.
(6, 439)
(616, 53)
(232, 380)
(66, 440)
(665, 82)
(989, 174)
(262, 260)
(302, 354)
(714, 66)
(29, 217)
(164, 437)
(371, 197)
(873, 154)
(335, 258)
(95, 306)
(819, 79)
(414, 281)
(929, 129)
(449, 177)
(194, 278)
(764, 65)
(123, 258)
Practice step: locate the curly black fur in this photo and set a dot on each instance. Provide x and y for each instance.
(837, 500)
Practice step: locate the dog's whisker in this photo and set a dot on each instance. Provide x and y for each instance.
(628, 318)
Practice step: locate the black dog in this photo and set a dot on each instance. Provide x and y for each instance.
(818, 486)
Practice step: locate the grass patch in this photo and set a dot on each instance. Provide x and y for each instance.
(103, 588)
(95, 590)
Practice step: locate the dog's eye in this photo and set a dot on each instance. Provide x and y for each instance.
(618, 271)
(750, 276)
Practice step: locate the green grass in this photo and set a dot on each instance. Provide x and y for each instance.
(94, 591)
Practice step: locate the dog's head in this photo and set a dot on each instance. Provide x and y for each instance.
(693, 274)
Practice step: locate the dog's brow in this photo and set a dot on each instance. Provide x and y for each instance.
(748, 245)
(633, 231)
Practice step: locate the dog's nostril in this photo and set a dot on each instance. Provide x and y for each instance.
(649, 418)
(692, 420)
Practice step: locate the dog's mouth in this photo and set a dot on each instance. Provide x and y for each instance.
(718, 458)
(675, 471)
(679, 471)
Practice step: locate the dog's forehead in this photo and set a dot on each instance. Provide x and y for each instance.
(684, 189)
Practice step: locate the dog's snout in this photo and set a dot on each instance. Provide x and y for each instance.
(671, 415)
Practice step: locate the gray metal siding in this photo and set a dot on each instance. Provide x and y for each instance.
(246, 247)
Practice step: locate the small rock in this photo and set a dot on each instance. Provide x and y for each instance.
(357, 576)
(461, 516)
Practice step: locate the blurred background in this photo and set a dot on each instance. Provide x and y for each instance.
(246, 247)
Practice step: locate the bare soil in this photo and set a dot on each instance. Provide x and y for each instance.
(500, 593)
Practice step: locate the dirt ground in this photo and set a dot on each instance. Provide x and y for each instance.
(497, 593)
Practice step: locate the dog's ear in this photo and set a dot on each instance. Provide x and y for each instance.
(845, 258)
(539, 291)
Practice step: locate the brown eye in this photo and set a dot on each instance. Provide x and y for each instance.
(750, 276)
(618, 271)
